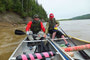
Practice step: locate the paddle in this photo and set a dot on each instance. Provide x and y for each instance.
(19, 32)
(83, 53)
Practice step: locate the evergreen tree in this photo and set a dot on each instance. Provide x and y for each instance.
(23, 7)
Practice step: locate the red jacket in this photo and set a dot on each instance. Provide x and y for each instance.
(29, 26)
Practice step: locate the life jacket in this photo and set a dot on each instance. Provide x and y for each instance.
(55, 28)
(35, 27)
(52, 24)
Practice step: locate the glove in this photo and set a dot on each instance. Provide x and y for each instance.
(28, 33)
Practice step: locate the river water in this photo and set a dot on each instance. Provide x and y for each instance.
(9, 41)
(77, 28)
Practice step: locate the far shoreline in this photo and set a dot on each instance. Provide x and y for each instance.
(71, 19)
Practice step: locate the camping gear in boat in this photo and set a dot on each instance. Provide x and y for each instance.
(70, 54)
(42, 47)
(24, 48)
(76, 48)
(58, 49)
(35, 56)
(63, 45)
(83, 53)
(77, 55)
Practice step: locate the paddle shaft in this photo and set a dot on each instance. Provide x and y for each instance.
(85, 56)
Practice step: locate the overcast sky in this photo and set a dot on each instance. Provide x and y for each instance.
(66, 8)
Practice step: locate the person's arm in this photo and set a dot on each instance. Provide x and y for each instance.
(57, 22)
(42, 27)
(47, 26)
(28, 26)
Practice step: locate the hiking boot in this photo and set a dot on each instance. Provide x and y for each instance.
(68, 45)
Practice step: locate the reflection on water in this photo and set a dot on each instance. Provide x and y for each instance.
(8, 40)
(77, 28)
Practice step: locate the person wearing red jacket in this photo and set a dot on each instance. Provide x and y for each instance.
(35, 26)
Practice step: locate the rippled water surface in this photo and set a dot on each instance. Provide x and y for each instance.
(8, 40)
(77, 28)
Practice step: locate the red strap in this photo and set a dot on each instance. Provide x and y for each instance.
(46, 54)
(38, 55)
(24, 57)
(31, 57)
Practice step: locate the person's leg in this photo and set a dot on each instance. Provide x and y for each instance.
(61, 35)
(51, 32)
(53, 35)
(64, 39)
(66, 43)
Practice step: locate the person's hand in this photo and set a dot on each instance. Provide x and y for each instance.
(38, 35)
(28, 33)
(57, 25)
(44, 35)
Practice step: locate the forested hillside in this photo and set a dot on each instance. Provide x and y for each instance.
(87, 16)
(23, 7)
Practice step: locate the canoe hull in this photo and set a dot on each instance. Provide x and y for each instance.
(23, 48)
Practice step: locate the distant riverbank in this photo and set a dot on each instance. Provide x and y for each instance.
(71, 19)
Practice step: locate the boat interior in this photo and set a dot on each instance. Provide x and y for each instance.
(77, 54)
(24, 48)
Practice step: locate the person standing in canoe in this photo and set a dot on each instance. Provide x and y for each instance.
(52, 28)
(35, 26)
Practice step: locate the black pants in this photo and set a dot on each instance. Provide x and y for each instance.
(42, 47)
(58, 33)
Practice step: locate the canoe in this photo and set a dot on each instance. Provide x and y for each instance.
(58, 53)
(22, 51)
(78, 42)
(23, 48)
